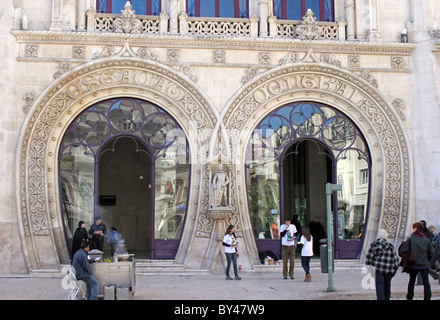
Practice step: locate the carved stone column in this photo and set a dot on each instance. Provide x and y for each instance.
(174, 6)
(374, 34)
(263, 12)
(57, 16)
(81, 26)
(350, 19)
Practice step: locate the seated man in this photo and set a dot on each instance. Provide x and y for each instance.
(82, 270)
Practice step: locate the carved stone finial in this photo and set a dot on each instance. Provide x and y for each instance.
(308, 29)
(128, 22)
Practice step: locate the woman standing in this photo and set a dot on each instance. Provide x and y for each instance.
(306, 246)
(230, 244)
(423, 251)
(79, 236)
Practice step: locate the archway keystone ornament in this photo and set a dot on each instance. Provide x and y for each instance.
(351, 95)
(39, 211)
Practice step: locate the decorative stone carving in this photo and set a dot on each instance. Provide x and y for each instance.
(250, 73)
(354, 61)
(219, 192)
(368, 76)
(309, 29)
(29, 98)
(330, 59)
(62, 69)
(397, 62)
(264, 57)
(126, 51)
(189, 72)
(31, 50)
(291, 57)
(78, 52)
(219, 56)
(173, 55)
(127, 23)
(400, 106)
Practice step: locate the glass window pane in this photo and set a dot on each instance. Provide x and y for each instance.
(191, 8)
(118, 5)
(139, 6)
(207, 8)
(293, 10)
(243, 9)
(77, 170)
(328, 7)
(226, 8)
(352, 174)
(314, 6)
(171, 191)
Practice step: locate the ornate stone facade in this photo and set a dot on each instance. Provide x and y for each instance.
(218, 88)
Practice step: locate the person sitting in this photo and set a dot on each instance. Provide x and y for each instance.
(82, 270)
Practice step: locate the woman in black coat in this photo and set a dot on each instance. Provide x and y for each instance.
(79, 236)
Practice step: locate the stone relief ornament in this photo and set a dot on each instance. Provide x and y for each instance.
(126, 51)
(400, 106)
(127, 23)
(29, 99)
(189, 72)
(62, 69)
(309, 29)
(250, 73)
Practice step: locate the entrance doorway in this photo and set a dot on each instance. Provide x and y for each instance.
(293, 152)
(124, 175)
(307, 167)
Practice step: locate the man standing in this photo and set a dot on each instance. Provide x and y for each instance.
(287, 232)
(97, 231)
(82, 271)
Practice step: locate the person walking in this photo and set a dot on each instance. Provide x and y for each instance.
(423, 251)
(383, 258)
(306, 245)
(231, 251)
(287, 233)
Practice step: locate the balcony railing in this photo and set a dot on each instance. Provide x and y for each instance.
(128, 22)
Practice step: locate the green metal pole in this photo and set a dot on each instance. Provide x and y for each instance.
(329, 189)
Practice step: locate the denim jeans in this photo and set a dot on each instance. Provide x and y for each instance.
(91, 288)
(231, 257)
(305, 262)
(383, 286)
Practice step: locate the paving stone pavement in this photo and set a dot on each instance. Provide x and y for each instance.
(349, 284)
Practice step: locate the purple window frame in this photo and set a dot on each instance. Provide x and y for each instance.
(193, 10)
(321, 14)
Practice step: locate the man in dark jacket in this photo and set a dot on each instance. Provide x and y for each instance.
(422, 251)
(82, 271)
(97, 231)
(383, 258)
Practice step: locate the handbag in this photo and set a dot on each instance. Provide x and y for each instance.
(407, 257)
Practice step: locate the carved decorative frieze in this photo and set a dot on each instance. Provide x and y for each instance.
(400, 106)
(29, 99)
(354, 61)
(63, 67)
(309, 28)
(397, 62)
(31, 50)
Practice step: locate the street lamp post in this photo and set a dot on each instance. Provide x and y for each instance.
(329, 189)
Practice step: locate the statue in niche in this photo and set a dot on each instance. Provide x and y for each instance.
(219, 189)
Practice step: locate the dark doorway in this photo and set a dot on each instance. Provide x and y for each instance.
(124, 172)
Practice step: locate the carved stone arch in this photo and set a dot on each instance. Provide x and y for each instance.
(39, 211)
(357, 99)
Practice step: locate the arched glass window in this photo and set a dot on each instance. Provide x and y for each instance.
(293, 152)
(218, 8)
(141, 7)
(157, 163)
(323, 10)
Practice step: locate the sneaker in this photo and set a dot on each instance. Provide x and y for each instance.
(228, 278)
(237, 278)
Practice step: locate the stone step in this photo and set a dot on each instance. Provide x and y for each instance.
(154, 267)
(343, 264)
